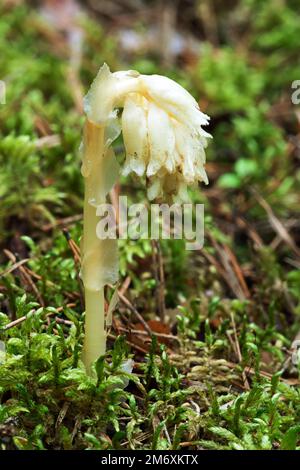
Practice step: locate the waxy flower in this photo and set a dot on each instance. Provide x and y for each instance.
(162, 128)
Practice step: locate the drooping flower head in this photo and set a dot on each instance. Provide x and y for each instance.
(161, 124)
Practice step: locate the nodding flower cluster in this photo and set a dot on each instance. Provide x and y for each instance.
(162, 129)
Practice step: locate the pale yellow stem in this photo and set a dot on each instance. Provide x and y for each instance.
(95, 334)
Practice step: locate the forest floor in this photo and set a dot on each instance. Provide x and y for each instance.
(217, 365)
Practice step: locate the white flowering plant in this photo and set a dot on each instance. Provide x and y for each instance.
(164, 141)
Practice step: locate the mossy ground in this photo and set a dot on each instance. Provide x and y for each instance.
(218, 372)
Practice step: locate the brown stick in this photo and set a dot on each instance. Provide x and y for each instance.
(135, 312)
(26, 277)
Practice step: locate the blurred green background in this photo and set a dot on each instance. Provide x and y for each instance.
(239, 60)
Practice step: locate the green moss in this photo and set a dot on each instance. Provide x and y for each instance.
(224, 376)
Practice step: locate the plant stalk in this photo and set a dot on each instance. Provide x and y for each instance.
(95, 334)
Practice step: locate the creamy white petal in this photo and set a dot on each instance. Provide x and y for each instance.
(201, 175)
(190, 148)
(126, 82)
(154, 189)
(162, 88)
(174, 99)
(135, 134)
(187, 150)
(161, 138)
